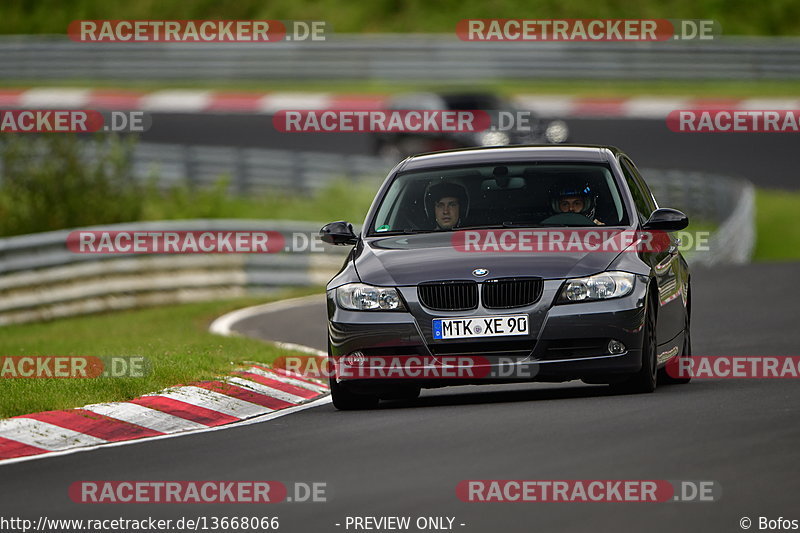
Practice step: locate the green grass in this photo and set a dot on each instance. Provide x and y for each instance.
(174, 339)
(777, 228)
(587, 88)
(770, 17)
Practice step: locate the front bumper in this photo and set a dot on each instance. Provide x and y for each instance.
(565, 342)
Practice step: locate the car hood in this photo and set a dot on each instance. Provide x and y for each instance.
(411, 259)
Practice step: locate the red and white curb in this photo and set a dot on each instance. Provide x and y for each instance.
(640, 107)
(204, 101)
(182, 101)
(255, 393)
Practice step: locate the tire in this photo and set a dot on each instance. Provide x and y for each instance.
(344, 400)
(646, 379)
(405, 393)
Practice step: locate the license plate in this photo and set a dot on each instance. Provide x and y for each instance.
(482, 326)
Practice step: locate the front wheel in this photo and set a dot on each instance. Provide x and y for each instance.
(644, 380)
(344, 400)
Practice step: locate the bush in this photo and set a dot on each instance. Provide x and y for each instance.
(57, 181)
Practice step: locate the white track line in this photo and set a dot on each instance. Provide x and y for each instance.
(222, 325)
(43, 435)
(301, 348)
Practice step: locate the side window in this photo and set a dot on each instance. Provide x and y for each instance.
(641, 199)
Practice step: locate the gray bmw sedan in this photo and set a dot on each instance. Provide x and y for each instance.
(508, 264)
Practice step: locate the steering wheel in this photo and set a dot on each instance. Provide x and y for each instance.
(569, 219)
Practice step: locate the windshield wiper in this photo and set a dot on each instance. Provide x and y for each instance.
(505, 225)
(481, 226)
(407, 231)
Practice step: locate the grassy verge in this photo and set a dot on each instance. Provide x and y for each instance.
(175, 340)
(588, 88)
(777, 227)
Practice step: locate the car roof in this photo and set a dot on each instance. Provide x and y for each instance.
(509, 154)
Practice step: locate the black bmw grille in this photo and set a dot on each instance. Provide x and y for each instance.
(449, 295)
(511, 292)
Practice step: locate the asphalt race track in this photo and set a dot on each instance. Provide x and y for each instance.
(406, 458)
(766, 159)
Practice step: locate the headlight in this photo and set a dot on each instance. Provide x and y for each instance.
(363, 297)
(494, 138)
(598, 287)
(557, 132)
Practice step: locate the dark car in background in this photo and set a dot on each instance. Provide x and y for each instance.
(535, 129)
(411, 289)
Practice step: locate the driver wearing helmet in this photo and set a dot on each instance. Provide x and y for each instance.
(447, 203)
(575, 199)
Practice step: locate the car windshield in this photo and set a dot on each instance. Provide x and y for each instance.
(475, 101)
(500, 195)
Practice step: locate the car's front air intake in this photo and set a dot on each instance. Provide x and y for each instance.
(511, 292)
(449, 295)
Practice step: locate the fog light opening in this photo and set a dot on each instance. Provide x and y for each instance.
(615, 347)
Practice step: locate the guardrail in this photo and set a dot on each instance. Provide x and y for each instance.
(41, 279)
(724, 201)
(251, 170)
(400, 57)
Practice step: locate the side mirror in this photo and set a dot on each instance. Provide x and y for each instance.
(666, 219)
(340, 232)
